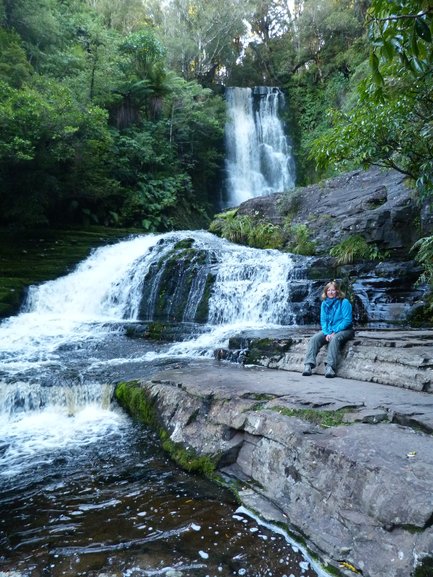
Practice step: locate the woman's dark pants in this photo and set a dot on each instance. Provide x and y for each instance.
(334, 347)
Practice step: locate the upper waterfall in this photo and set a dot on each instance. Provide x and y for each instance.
(259, 156)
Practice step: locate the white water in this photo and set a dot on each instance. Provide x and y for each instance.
(47, 352)
(251, 289)
(259, 155)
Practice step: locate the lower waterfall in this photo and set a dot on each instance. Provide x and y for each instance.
(84, 490)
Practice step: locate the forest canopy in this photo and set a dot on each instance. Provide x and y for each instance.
(112, 111)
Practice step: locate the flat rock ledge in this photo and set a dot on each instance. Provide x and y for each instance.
(398, 358)
(358, 494)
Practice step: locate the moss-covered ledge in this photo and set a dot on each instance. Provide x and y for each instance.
(137, 401)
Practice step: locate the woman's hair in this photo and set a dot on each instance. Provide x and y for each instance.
(335, 284)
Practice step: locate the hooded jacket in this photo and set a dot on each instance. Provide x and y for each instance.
(335, 315)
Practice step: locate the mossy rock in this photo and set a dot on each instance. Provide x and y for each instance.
(172, 280)
(260, 348)
(132, 397)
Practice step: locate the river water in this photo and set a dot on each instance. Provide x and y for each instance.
(84, 490)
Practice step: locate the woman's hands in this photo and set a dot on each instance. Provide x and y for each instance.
(330, 337)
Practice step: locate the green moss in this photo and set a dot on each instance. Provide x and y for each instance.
(259, 396)
(156, 331)
(187, 458)
(33, 256)
(316, 416)
(184, 244)
(202, 313)
(134, 399)
(425, 569)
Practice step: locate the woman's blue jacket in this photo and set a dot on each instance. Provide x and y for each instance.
(335, 315)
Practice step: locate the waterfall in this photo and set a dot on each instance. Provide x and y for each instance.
(61, 357)
(181, 276)
(259, 156)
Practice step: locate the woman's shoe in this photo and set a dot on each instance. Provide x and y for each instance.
(307, 371)
(329, 372)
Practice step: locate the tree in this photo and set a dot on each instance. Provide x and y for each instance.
(201, 36)
(122, 15)
(14, 67)
(53, 154)
(391, 124)
(37, 22)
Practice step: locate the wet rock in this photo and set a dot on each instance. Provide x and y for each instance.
(375, 203)
(358, 494)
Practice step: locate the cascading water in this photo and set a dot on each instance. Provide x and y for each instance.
(82, 489)
(259, 156)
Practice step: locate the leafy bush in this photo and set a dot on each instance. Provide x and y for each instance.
(355, 248)
(424, 248)
(300, 242)
(247, 230)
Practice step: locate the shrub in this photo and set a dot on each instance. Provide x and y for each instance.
(299, 240)
(355, 248)
(247, 230)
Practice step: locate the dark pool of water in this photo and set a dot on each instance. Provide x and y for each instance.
(119, 507)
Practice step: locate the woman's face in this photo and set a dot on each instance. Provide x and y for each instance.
(331, 291)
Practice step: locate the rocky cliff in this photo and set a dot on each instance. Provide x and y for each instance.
(376, 205)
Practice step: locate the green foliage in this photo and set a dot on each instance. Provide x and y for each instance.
(401, 31)
(354, 248)
(425, 569)
(199, 36)
(299, 240)
(316, 61)
(424, 248)
(97, 129)
(247, 230)
(14, 67)
(391, 122)
(424, 255)
(147, 204)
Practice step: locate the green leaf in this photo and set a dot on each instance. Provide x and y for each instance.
(388, 50)
(414, 44)
(374, 64)
(423, 30)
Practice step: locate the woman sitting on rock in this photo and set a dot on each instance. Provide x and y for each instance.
(337, 329)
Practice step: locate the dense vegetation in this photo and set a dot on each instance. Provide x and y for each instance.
(112, 111)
